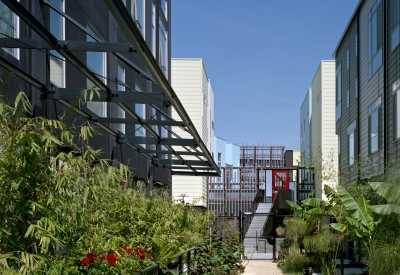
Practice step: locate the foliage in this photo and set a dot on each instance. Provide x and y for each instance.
(219, 256)
(62, 203)
(376, 226)
(309, 232)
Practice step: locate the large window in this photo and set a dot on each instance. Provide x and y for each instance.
(375, 38)
(164, 7)
(57, 64)
(350, 132)
(140, 110)
(163, 48)
(8, 26)
(338, 92)
(395, 23)
(374, 126)
(96, 62)
(121, 88)
(138, 14)
(153, 28)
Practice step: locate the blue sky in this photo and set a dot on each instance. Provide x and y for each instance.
(261, 56)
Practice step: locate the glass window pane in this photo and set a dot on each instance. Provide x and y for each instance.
(57, 29)
(351, 148)
(96, 63)
(121, 112)
(374, 131)
(8, 22)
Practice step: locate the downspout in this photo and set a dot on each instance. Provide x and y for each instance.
(358, 98)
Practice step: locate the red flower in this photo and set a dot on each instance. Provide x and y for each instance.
(103, 258)
(169, 271)
(127, 249)
(142, 256)
(111, 259)
(91, 256)
(139, 251)
(85, 261)
(216, 264)
(149, 250)
(192, 272)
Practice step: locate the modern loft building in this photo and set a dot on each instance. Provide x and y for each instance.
(367, 90)
(193, 88)
(61, 51)
(305, 127)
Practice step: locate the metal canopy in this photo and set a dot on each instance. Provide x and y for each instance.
(199, 158)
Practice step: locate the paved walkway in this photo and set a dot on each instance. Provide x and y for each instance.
(257, 267)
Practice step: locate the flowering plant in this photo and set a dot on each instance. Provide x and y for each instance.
(219, 256)
(121, 261)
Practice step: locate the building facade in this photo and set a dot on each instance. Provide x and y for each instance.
(119, 51)
(194, 90)
(367, 100)
(323, 137)
(305, 128)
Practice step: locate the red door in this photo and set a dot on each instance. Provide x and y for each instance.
(280, 180)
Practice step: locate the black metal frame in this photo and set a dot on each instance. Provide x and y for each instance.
(193, 148)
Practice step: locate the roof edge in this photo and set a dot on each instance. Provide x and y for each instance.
(347, 27)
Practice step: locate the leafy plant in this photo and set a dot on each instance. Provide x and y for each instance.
(219, 256)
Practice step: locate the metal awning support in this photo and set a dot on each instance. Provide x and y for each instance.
(138, 45)
(71, 45)
(126, 23)
(161, 141)
(113, 96)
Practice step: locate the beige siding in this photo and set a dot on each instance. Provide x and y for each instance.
(191, 84)
(324, 141)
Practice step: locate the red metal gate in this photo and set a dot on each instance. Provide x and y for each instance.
(280, 180)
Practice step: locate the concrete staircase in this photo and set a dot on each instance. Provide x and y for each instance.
(257, 225)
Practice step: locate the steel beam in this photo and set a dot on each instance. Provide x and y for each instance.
(17, 71)
(114, 96)
(126, 23)
(186, 162)
(204, 174)
(161, 141)
(163, 152)
(72, 45)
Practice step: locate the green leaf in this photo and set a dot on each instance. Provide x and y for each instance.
(313, 202)
(385, 209)
(389, 191)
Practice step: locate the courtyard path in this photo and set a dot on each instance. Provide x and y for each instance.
(257, 267)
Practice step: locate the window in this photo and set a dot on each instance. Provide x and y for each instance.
(154, 127)
(153, 28)
(164, 134)
(9, 27)
(375, 38)
(163, 48)
(121, 88)
(395, 25)
(350, 132)
(396, 105)
(96, 62)
(374, 126)
(164, 7)
(140, 110)
(138, 13)
(338, 92)
(57, 64)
